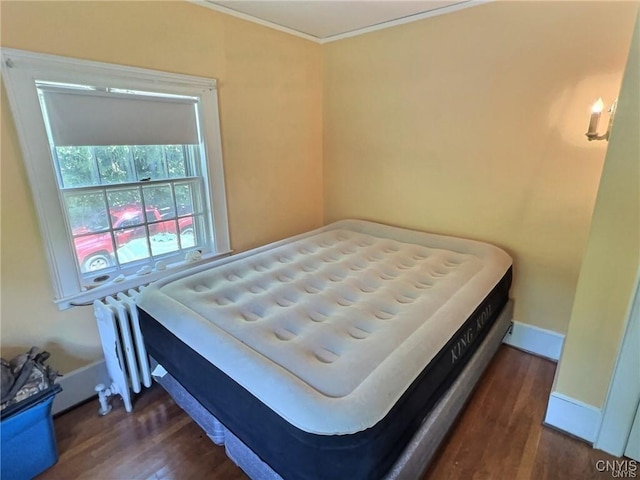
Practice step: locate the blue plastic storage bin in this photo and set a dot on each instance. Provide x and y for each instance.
(27, 439)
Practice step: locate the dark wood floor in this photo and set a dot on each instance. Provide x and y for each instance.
(499, 436)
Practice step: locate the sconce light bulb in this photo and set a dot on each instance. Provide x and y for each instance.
(598, 106)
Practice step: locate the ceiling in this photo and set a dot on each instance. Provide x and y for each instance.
(327, 20)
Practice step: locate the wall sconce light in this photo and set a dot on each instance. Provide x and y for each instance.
(596, 113)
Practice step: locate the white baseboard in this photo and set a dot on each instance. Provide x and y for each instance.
(573, 416)
(79, 385)
(541, 342)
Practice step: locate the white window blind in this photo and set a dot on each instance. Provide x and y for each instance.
(91, 117)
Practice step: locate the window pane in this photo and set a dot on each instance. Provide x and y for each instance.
(77, 167)
(87, 212)
(164, 238)
(126, 235)
(159, 202)
(149, 162)
(186, 198)
(94, 252)
(187, 232)
(109, 165)
(114, 164)
(132, 244)
(125, 206)
(176, 162)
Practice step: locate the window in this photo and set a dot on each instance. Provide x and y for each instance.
(125, 168)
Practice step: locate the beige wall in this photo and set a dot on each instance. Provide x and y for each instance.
(610, 268)
(270, 106)
(470, 124)
(473, 124)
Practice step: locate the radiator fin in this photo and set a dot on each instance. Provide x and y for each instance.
(122, 343)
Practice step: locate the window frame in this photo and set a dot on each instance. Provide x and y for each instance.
(20, 71)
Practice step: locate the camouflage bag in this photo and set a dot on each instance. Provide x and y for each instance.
(25, 375)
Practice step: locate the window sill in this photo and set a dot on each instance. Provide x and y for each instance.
(86, 298)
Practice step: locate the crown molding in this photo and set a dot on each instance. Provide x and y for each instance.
(249, 18)
(360, 31)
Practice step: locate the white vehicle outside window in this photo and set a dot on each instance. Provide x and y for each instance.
(125, 167)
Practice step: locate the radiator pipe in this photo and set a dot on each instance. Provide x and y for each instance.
(103, 397)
